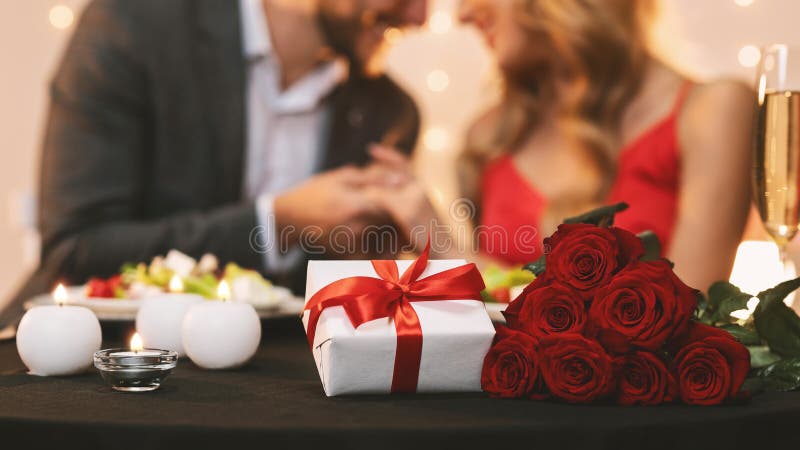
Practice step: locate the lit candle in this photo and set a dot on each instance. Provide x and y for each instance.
(224, 291)
(136, 348)
(138, 369)
(58, 339)
(221, 334)
(176, 284)
(160, 317)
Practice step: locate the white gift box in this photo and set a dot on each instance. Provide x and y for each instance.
(456, 336)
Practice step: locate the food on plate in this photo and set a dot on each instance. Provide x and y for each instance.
(201, 277)
(249, 286)
(105, 288)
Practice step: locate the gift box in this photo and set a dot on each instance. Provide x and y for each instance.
(396, 326)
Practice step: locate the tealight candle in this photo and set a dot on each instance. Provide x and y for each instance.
(160, 317)
(58, 339)
(221, 334)
(137, 348)
(136, 370)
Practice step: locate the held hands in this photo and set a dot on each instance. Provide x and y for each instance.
(383, 193)
(327, 200)
(393, 187)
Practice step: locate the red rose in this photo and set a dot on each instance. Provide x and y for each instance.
(511, 313)
(643, 379)
(574, 368)
(511, 368)
(642, 307)
(711, 366)
(548, 309)
(586, 256)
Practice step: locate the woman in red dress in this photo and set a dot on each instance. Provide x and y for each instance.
(590, 116)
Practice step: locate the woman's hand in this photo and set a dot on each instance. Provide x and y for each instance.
(392, 185)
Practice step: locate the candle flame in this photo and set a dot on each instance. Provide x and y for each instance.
(224, 291)
(136, 343)
(60, 294)
(176, 283)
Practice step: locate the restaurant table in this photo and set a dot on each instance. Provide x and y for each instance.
(277, 401)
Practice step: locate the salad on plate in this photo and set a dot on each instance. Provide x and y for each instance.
(178, 272)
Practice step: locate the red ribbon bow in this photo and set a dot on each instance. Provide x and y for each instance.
(366, 298)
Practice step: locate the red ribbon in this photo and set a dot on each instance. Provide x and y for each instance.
(366, 298)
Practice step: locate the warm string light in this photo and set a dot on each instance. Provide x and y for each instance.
(440, 22)
(744, 2)
(438, 80)
(749, 56)
(392, 35)
(436, 138)
(61, 16)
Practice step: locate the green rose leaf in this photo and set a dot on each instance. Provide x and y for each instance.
(702, 311)
(744, 335)
(760, 356)
(776, 322)
(602, 217)
(723, 299)
(781, 376)
(652, 246)
(537, 267)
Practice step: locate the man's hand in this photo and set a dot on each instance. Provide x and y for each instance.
(327, 200)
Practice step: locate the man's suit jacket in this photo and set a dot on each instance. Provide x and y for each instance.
(145, 140)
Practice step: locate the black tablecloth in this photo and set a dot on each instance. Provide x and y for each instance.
(277, 402)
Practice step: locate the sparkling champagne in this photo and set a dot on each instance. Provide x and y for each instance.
(777, 156)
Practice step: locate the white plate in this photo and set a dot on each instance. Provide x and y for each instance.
(124, 310)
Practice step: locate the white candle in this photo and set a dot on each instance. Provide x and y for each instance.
(159, 319)
(59, 339)
(221, 334)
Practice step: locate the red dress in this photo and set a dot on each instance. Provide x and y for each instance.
(648, 176)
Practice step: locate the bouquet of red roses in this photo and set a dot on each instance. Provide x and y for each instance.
(605, 319)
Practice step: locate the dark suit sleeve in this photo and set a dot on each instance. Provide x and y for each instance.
(96, 149)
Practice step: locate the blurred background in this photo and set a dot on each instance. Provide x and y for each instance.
(707, 39)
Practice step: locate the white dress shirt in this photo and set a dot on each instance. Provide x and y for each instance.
(285, 128)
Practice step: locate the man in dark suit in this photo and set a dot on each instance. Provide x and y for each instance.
(213, 126)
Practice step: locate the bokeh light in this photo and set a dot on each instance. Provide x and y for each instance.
(749, 55)
(392, 35)
(436, 138)
(437, 80)
(61, 16)
(440, 22)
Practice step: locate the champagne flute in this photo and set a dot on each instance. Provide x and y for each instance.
(777, 145)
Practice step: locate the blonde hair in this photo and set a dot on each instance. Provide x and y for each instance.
(601, 48)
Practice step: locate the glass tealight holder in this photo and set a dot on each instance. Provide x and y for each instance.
(135, 371)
